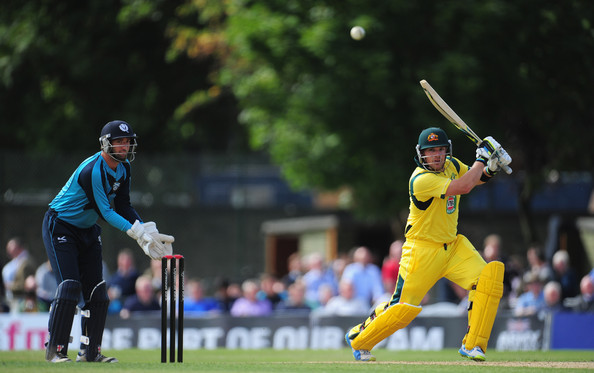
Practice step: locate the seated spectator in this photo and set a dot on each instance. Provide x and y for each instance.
(226, 293)
(115, 301)
(267, 289)
(325, 293)
(154, 272)
(45, 279)
(124, 278)
(296, 303)
(29, 302)
(16, 271)
(391, 265)
(565, 274)
(552, 298)
(345, 303)
(295, 268)
(531, 301)
(248, 304)
(585, 301)
(317, 274)
(537, 264)
(143, 300)
(196, 304)
(364, 276)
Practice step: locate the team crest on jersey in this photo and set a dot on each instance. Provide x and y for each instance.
(123, 127)
(451, 204)
(116, 186)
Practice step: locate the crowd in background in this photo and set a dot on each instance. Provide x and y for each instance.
(350, 285)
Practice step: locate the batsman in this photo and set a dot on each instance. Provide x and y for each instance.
(434, 249)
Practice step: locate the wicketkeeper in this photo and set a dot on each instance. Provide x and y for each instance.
(433, 248)
(72, 240)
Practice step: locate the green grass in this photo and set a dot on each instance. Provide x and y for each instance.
(247, 361)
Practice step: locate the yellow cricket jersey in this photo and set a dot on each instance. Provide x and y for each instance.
(433, 216)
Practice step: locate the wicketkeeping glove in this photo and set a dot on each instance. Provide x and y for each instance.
(153, 243)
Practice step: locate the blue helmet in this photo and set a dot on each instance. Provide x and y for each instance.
(118, 129)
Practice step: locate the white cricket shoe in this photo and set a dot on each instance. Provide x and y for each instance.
(60, 358)
(475, 354)
(100, 358)
(360, 355)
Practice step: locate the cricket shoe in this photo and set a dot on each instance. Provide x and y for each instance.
(60, 358)
(360, 355)
(475, 354)
(100, 358)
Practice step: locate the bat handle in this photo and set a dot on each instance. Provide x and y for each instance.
(507, 169)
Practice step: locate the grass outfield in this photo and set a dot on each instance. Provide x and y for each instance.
(247, 361)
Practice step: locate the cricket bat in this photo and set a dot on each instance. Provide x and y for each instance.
(452, 117)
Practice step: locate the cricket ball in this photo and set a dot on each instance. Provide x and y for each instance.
(357, 33)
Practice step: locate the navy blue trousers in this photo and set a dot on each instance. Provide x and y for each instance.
(74, 253)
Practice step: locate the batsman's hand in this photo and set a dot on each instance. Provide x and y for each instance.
(154, 244)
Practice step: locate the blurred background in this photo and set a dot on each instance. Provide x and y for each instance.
(264, 130)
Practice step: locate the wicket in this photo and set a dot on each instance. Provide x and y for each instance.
(171, 265)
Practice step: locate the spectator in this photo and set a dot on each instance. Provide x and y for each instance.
(565, 275)
(317, 274)
(29, 302)
(154, 272)
(16, 271)
(267, 289)
(226, 293)
(492, 252)
(531, 301)
(45, 280)
(143, 300)
(125, 275)
(345, 303)
(248, 304)
(296, 303)
(196, 303)
(585, 301)
(552, 297)
(325, 293)
(364, 276)
(538, 265)
(295, 269)
(391, 265)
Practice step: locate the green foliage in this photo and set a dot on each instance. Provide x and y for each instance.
(331, 111)
(67, 68)
(336, 112)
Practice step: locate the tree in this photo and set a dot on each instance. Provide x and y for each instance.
(335, 112)
(67, 68)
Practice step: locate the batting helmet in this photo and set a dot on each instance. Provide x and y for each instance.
(431, 137)
(117, 129)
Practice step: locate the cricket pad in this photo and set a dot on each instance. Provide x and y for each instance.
(489, 291)
(385, 324)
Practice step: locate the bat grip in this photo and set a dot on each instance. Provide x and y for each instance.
(507, 169)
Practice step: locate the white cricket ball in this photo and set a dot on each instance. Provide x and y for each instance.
(357, 33)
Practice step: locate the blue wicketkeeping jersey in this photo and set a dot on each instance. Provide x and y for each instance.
(92, 190)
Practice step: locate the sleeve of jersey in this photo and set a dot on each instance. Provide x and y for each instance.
(102, 202)
(122, 201)
(430, 185)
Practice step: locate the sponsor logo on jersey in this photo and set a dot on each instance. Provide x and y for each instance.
(451, 204)
(116, 186)
(62, 239)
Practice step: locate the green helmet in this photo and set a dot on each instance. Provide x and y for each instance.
(431, 137)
